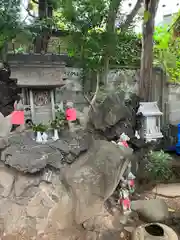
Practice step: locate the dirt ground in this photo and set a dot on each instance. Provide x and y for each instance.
(174, 208)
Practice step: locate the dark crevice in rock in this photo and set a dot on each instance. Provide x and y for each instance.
(9, 91)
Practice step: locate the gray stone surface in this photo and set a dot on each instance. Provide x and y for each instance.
(115, 115)
(72, 144)
(95, 176)
(108, 113)
(171, 190)
(153, 210)
(6, 181)
(46, 195)
(25, 155)
(31, 205)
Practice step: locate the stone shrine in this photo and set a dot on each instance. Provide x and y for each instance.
(151, 122)
(38, 82)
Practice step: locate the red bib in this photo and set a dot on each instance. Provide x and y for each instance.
(71, 114)
(17, 117)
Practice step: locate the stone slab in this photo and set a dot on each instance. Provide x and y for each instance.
(167, 190)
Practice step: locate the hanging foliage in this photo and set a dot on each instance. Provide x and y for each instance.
(125, 48)
(176, 25)
(9, 20)
(167, 52)
(95, 39)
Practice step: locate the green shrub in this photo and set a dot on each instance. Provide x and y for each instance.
(40, 128)
(158, 165)
(60, 121)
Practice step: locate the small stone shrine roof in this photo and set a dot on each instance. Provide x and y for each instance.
(40, 78)
(38, 70)
(149, 109)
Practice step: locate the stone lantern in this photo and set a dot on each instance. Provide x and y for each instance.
(150, 120)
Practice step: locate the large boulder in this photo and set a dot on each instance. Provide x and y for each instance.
(109, 112)
(90, 181)
(72, 144)
(153, 210)
(73, 195)
(115, 115)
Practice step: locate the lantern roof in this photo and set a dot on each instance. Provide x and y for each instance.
(148, 109)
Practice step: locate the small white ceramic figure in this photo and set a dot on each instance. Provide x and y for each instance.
(44, 137)
(39, 137)
(56, 135)
(137, 135)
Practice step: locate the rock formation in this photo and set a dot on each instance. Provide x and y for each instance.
(116, 115)
(59, 198)
(25, 155)
(55, 188)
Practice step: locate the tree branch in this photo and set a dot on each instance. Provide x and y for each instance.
(34, 1)
(91, 103)
(146, 83)
(29, 13)
(97, 89)
(113, 9)
(24, 20)
(131, 16)
(110, 28)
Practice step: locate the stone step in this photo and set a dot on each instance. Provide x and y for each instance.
(171, 190)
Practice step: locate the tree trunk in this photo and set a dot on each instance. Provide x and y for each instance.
(145, 83)
(131, 16)
(4, 52)
(110, 27)
(42, 39)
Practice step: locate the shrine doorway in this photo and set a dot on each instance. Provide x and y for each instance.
(42, 104)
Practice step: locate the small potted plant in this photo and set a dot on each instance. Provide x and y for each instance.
(58, 124)
(36, 129)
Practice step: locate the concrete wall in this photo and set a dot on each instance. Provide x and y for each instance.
(167, 95)
(174, 104)
(72, 91)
